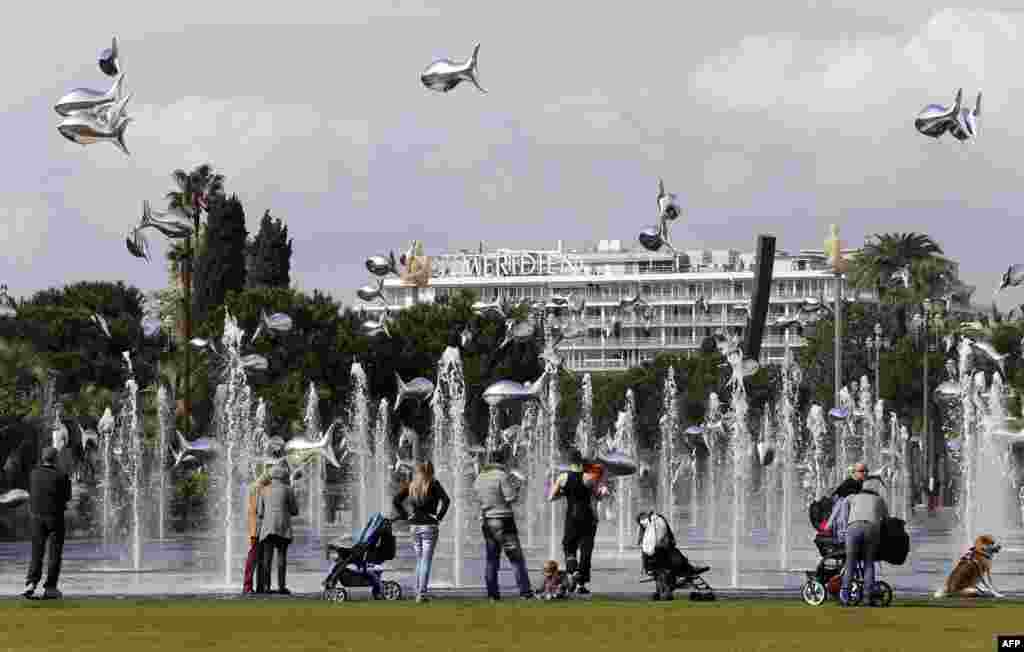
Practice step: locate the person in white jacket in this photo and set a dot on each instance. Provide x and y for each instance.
(660, 556)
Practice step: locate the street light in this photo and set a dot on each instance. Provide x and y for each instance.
(921, 322)
(876, 344)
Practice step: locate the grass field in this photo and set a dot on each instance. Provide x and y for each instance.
(286, 625)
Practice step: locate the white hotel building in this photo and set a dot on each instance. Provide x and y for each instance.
(670, 284)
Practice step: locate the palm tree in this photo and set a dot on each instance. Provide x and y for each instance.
(887, 254)
(192, 197)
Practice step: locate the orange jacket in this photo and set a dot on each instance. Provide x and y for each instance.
(253, 498)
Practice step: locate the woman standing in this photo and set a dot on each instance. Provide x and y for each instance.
(429, 503)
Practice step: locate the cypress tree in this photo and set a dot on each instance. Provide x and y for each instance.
(221, 264)
(270, 255)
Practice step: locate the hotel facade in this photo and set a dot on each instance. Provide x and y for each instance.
(671, 285)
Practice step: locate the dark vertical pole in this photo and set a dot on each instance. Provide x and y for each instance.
(764, 265)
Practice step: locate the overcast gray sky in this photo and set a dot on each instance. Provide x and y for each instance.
(764, 117)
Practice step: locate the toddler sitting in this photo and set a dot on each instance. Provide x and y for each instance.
(554, 587)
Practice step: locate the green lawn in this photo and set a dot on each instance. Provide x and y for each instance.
(284, 625)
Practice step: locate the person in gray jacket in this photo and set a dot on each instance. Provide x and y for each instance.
(863, 535)
(274, 512)
(496, 492)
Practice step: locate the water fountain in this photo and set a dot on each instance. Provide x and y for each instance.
(848, 442)
(786, 453)
(740, 444)
(817, 463)
(105, 429)
(165, 417)
(669, 462)
(553, 399)
(128, 449)
(716, 442)
(359, 413)
(449, 406)
(536, 470)
(585, 427)
(382, 456)
(625, 442)
(868, 425)
(311, 421)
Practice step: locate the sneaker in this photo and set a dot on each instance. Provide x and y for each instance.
(582, 590)
(52, 594)
(283, 592)
(422, 598)
(30, 590)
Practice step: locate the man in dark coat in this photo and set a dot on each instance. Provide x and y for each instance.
(49, 493)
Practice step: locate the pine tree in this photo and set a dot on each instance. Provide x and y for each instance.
(269, 255)
(221, 264)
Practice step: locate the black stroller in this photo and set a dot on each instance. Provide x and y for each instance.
(668, 567)
(360, 564)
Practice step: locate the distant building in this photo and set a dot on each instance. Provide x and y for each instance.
(670, 284)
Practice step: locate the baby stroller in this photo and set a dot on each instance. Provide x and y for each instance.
(826, 580)
(666, 565)
(360, 564)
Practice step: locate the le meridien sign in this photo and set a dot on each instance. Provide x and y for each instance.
(511, 263)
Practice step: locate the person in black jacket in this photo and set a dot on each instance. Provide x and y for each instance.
(580, 520)
(429, 502)
(49, 493)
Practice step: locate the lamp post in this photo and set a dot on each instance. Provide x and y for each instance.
(923, 320)
(875, 344)
(8, 309)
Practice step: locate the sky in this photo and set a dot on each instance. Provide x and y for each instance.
(777, 118)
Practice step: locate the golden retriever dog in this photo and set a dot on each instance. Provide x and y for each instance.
(972, 575)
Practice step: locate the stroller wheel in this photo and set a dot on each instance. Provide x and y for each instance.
(882, 593)
(392, 590)
(813, 593)
(336, 594)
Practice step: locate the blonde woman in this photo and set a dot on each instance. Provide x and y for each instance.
(429, 503)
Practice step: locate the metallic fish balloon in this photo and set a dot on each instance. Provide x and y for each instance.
(668, 209)
(617, 464)
(370, 293)
(172, 228)
(496, 308)
(137, 244)
(381, 266)
(101, 323)
(466, 336)
(509, 391)
(88, 100)
(13, 498)
(1012, 277)
(278, 322)
(966, 127)
(417, 389)
(650, 238)
(254, 362)
(935, 120)
(150, 326)
(373, 328)
(84, 129)
(444, 74)
(200, 445)
(108, 61)
(182, 457)
(517, 331)
(324, 446)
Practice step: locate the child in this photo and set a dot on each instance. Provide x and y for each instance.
(553, 588)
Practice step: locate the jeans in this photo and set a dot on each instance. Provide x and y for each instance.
(48, 536)
(424, 539)
(499, 534)
(272, 544)
(862, 540)
(579, 535)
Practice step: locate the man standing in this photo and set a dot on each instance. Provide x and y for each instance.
(274, 512)
(580, 519)
(863, 534)
(496, 493)
(49, 493)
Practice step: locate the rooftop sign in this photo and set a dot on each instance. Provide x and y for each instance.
(511, 263)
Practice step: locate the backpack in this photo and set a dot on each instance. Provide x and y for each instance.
(820, 510)
(385, 548)
(894, 544)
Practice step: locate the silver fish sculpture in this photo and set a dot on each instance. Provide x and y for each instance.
(417, 389)
(934, 120)
(966, 127)
(650, 238)
(466, 336)
(14, 498)
(150, 326)
(183, 457)
(200, 445)
(278, 322)
(373, 328)
(617, 464)
(254, 362)
(496, 308)
(517, 331)
(381, 266)
(101, 323)
(370, 293)
(668, 209)
(88, 100)
(1012, 277)
(86, 130)
(324, 446)
(109, 63)
(137, 244)
(839, 413)
(509, 391)
(948, 389)
(990, 352)
(444, 74)
(173, 228)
